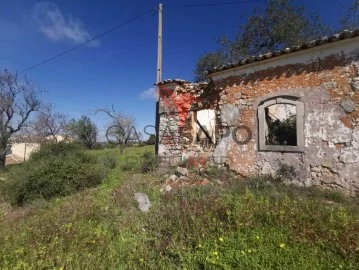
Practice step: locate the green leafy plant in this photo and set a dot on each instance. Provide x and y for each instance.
(108, 162)
(55, 170)
(148, 162)
(282, 132)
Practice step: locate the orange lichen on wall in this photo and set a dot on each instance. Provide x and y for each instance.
(331, 73)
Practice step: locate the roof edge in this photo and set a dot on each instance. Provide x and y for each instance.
(346, 34)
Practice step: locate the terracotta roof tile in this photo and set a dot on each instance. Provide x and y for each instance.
(307, 45)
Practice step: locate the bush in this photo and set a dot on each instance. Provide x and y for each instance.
(216, 173)
(55, 170)
(108, 162)
(145, 163)
(49, 150)
(148, 162)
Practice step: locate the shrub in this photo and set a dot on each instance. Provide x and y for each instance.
(49, 150)
(108, 162)
(53, 171)
(148, 162)
(129, 167)
(216, 173)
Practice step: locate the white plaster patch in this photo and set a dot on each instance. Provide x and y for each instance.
(267, 169)
(230, 114)
(220, 152)
(207, 119)
(355, 138)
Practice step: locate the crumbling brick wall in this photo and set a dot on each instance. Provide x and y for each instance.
(325, 80)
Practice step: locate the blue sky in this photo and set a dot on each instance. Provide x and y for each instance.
(120, 67)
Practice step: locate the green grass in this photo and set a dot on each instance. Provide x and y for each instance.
(252, 224)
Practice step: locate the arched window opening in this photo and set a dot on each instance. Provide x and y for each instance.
(281, 125)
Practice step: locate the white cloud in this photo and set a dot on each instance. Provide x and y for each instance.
(150, 93)
(58, 27)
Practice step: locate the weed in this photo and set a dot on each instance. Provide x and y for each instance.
(256, 223)
(148, 162)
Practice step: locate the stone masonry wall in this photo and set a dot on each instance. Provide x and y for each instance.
(329, 88)
(175, 128)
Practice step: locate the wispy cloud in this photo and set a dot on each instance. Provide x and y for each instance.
(58, 26)
(150, 93)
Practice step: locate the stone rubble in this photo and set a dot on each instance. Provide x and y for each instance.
(144, 203)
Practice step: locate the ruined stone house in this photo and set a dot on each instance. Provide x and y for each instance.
(296, 109)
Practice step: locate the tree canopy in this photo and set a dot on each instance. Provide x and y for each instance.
(84, 131)
(351, 20)
(19, 98)
(279, 25)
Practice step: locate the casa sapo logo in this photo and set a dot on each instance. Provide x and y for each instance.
(179, 104)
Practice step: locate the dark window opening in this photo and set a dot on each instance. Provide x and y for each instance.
(281, 120)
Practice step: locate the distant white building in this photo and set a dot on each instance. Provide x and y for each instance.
(21, 151)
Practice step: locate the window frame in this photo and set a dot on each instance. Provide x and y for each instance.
(262, 125)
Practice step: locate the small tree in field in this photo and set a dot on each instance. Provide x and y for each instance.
(119, 128)
(84, 131)
(49, 124)
(18, 100)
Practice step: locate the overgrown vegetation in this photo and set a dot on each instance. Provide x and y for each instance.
(145, 163)
(282, 132)
(256, 223)
(55, 170)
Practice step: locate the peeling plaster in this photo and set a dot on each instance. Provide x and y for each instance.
(321, 79)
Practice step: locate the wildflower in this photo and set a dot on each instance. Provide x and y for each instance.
(220, 239)
(282, 245)
(257, 237)
(215, 253)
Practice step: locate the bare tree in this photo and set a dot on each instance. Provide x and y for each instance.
(120, 126)
(18, 100)
(51, 125)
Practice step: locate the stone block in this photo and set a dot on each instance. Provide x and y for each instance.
(355, 85)
(348, 105)
(182, 171)
(330, 85)
(356, 67)
(144, 203)
(230, 114)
